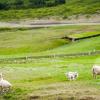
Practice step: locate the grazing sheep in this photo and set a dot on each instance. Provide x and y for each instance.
(71, 75)
(95, 70)
(4, 84)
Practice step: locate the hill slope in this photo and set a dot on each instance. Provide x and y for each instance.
(29, 42)
(70, 8)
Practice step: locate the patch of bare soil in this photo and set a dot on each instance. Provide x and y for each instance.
(73, 20)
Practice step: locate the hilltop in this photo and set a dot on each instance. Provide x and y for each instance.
(57, 11)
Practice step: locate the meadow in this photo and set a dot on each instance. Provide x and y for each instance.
(44, 41)
(44, 78)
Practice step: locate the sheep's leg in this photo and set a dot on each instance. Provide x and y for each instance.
(9, 88)
(6, 90)
(94, 75)
(70, 78)
(0, 90)
(73, 78)
(3, 90)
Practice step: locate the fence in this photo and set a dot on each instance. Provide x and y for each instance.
(51, 56)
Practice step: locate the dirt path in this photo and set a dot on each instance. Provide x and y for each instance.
(41, 24)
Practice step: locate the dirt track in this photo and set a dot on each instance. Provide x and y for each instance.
(42, 24)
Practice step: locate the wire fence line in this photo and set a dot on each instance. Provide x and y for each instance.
(51, 56)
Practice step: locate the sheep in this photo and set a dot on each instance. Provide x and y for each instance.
(95, 70)
(71, 75)
(4, 84)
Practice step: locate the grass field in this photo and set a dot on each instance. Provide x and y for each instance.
(44, 79)
(28, 42)
(81, 35)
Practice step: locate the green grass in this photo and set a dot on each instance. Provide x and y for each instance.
(46, 75)
(81, 35)
(86, 7)
(45, 78)
(29, 42)
(87, 45)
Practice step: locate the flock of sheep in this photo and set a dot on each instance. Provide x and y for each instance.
(5, 85)
(74, 75)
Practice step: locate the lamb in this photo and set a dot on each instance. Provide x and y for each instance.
(4, 84)
(95, 70)
(71, 75)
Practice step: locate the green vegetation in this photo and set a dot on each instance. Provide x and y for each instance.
(81, 35)
(87, 45)
(44, 78)
(28, 42)
(23, 4)
(71, 7)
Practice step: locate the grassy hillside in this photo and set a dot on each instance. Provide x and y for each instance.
(87, 45)
(81, 35)
(24, 4)
(44, 79)
(47, 41)
(71, 7)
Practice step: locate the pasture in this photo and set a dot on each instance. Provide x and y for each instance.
(26, 42)
(44, 78)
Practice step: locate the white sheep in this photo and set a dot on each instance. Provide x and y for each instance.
(4, 84)
(96, 70)
(71, 75)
